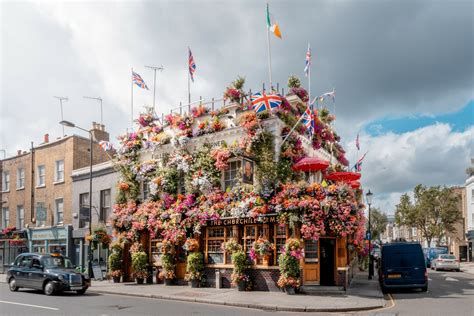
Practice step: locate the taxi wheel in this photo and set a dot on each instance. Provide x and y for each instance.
(12, 285)
(81, 292)
(49, 288)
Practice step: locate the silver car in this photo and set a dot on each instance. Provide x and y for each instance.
(445, 262)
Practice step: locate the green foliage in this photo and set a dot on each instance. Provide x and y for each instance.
(266, 172)
(434, 211)
(289, 266)
(170, 180)
(139, 262)
(194, 266)
(378, 222)
(294, 82)
(115, 261)
(238, 83)
(240, 261)
(168, 262)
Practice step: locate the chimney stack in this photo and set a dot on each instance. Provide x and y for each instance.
(46, 138)
(99, 133)
(18, 152)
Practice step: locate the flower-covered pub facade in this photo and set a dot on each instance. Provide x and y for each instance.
(215, 195)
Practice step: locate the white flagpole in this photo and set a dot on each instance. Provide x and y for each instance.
(269, 51)
(131, 105)
(291, 131)
(309, 77)
(189, 79)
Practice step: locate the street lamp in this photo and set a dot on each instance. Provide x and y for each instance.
(371, 263)
(89, 252)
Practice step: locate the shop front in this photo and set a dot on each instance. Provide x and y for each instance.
(12, 243)
(51, 239)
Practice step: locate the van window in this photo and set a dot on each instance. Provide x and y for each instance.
(402, 257)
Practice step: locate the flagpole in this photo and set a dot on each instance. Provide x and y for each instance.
(269, 53)
(291, 131)
(131, 105)
(309, 77)
(189, 79)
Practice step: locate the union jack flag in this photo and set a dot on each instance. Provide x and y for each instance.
(308, 61)
(106, 145)
(358, 165)
(308, 121)
(191, 64)
(137, 79)
(262, 102)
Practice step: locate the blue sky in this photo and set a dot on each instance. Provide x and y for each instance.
(459, 121)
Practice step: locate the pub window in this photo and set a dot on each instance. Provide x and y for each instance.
(215, 238)
(146, 190)
(156, 251)
(230, 174)
(311, 251)
(281, 234)
(181, 184)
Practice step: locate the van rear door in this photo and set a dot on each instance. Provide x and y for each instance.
(403, 264)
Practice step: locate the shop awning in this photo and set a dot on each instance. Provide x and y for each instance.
(343, 176)
(310, 164)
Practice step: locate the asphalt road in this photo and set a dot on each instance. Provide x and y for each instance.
(449, 293)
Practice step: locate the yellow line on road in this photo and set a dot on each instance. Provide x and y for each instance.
(30, 305)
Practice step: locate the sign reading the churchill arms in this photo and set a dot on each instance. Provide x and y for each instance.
(243, 221)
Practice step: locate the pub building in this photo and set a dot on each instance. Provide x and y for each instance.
(149, 155)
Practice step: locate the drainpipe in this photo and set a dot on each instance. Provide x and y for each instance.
(32, 206)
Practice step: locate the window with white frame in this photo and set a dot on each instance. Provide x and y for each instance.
(59, 211)
(59, 172)
(20, 178)
(41, 214)
(20, 217)
(230, 174)
(41, 180)
(5, 217)
(5, 181)
(83, 209)
(104, 205)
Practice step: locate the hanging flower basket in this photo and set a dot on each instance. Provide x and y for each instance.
(99, 235)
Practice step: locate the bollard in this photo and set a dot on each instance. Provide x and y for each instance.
(218, 279)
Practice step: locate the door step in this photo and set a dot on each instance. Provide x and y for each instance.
(322, 290)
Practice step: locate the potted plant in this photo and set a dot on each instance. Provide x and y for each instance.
(241, 263)
(99, 236)
(115, 263)
(194, 268)
(168, 265)
(262, 248)
(139, 263)
(289, 262)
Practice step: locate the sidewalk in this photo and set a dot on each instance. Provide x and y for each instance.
(363, 294)
(467, 267)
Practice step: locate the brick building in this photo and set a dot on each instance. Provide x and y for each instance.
(37, 190)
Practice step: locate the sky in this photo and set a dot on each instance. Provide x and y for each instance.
(403, 72)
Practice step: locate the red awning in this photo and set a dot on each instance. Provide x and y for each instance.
(355, 184)
(310, 164)
(343, 176)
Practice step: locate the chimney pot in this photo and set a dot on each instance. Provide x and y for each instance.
(102, 127)
(46, 138)
(18, 152)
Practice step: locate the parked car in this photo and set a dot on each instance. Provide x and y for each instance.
(445, 262)
(433, 252)
(50, 273)
(402, 266)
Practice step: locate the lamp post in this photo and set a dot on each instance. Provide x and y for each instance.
(371, 263)
(89, 252)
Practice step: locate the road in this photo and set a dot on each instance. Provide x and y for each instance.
(449, 293)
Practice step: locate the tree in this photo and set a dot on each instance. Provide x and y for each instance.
(378, 223)
(434, 211)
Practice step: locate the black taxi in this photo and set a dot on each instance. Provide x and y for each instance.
(50, 273)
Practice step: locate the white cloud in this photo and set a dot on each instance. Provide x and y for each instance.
(396, 163)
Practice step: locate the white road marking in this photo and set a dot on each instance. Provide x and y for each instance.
(451, 279)
(30, 305)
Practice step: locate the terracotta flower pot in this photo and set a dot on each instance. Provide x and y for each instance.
(116, 279)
